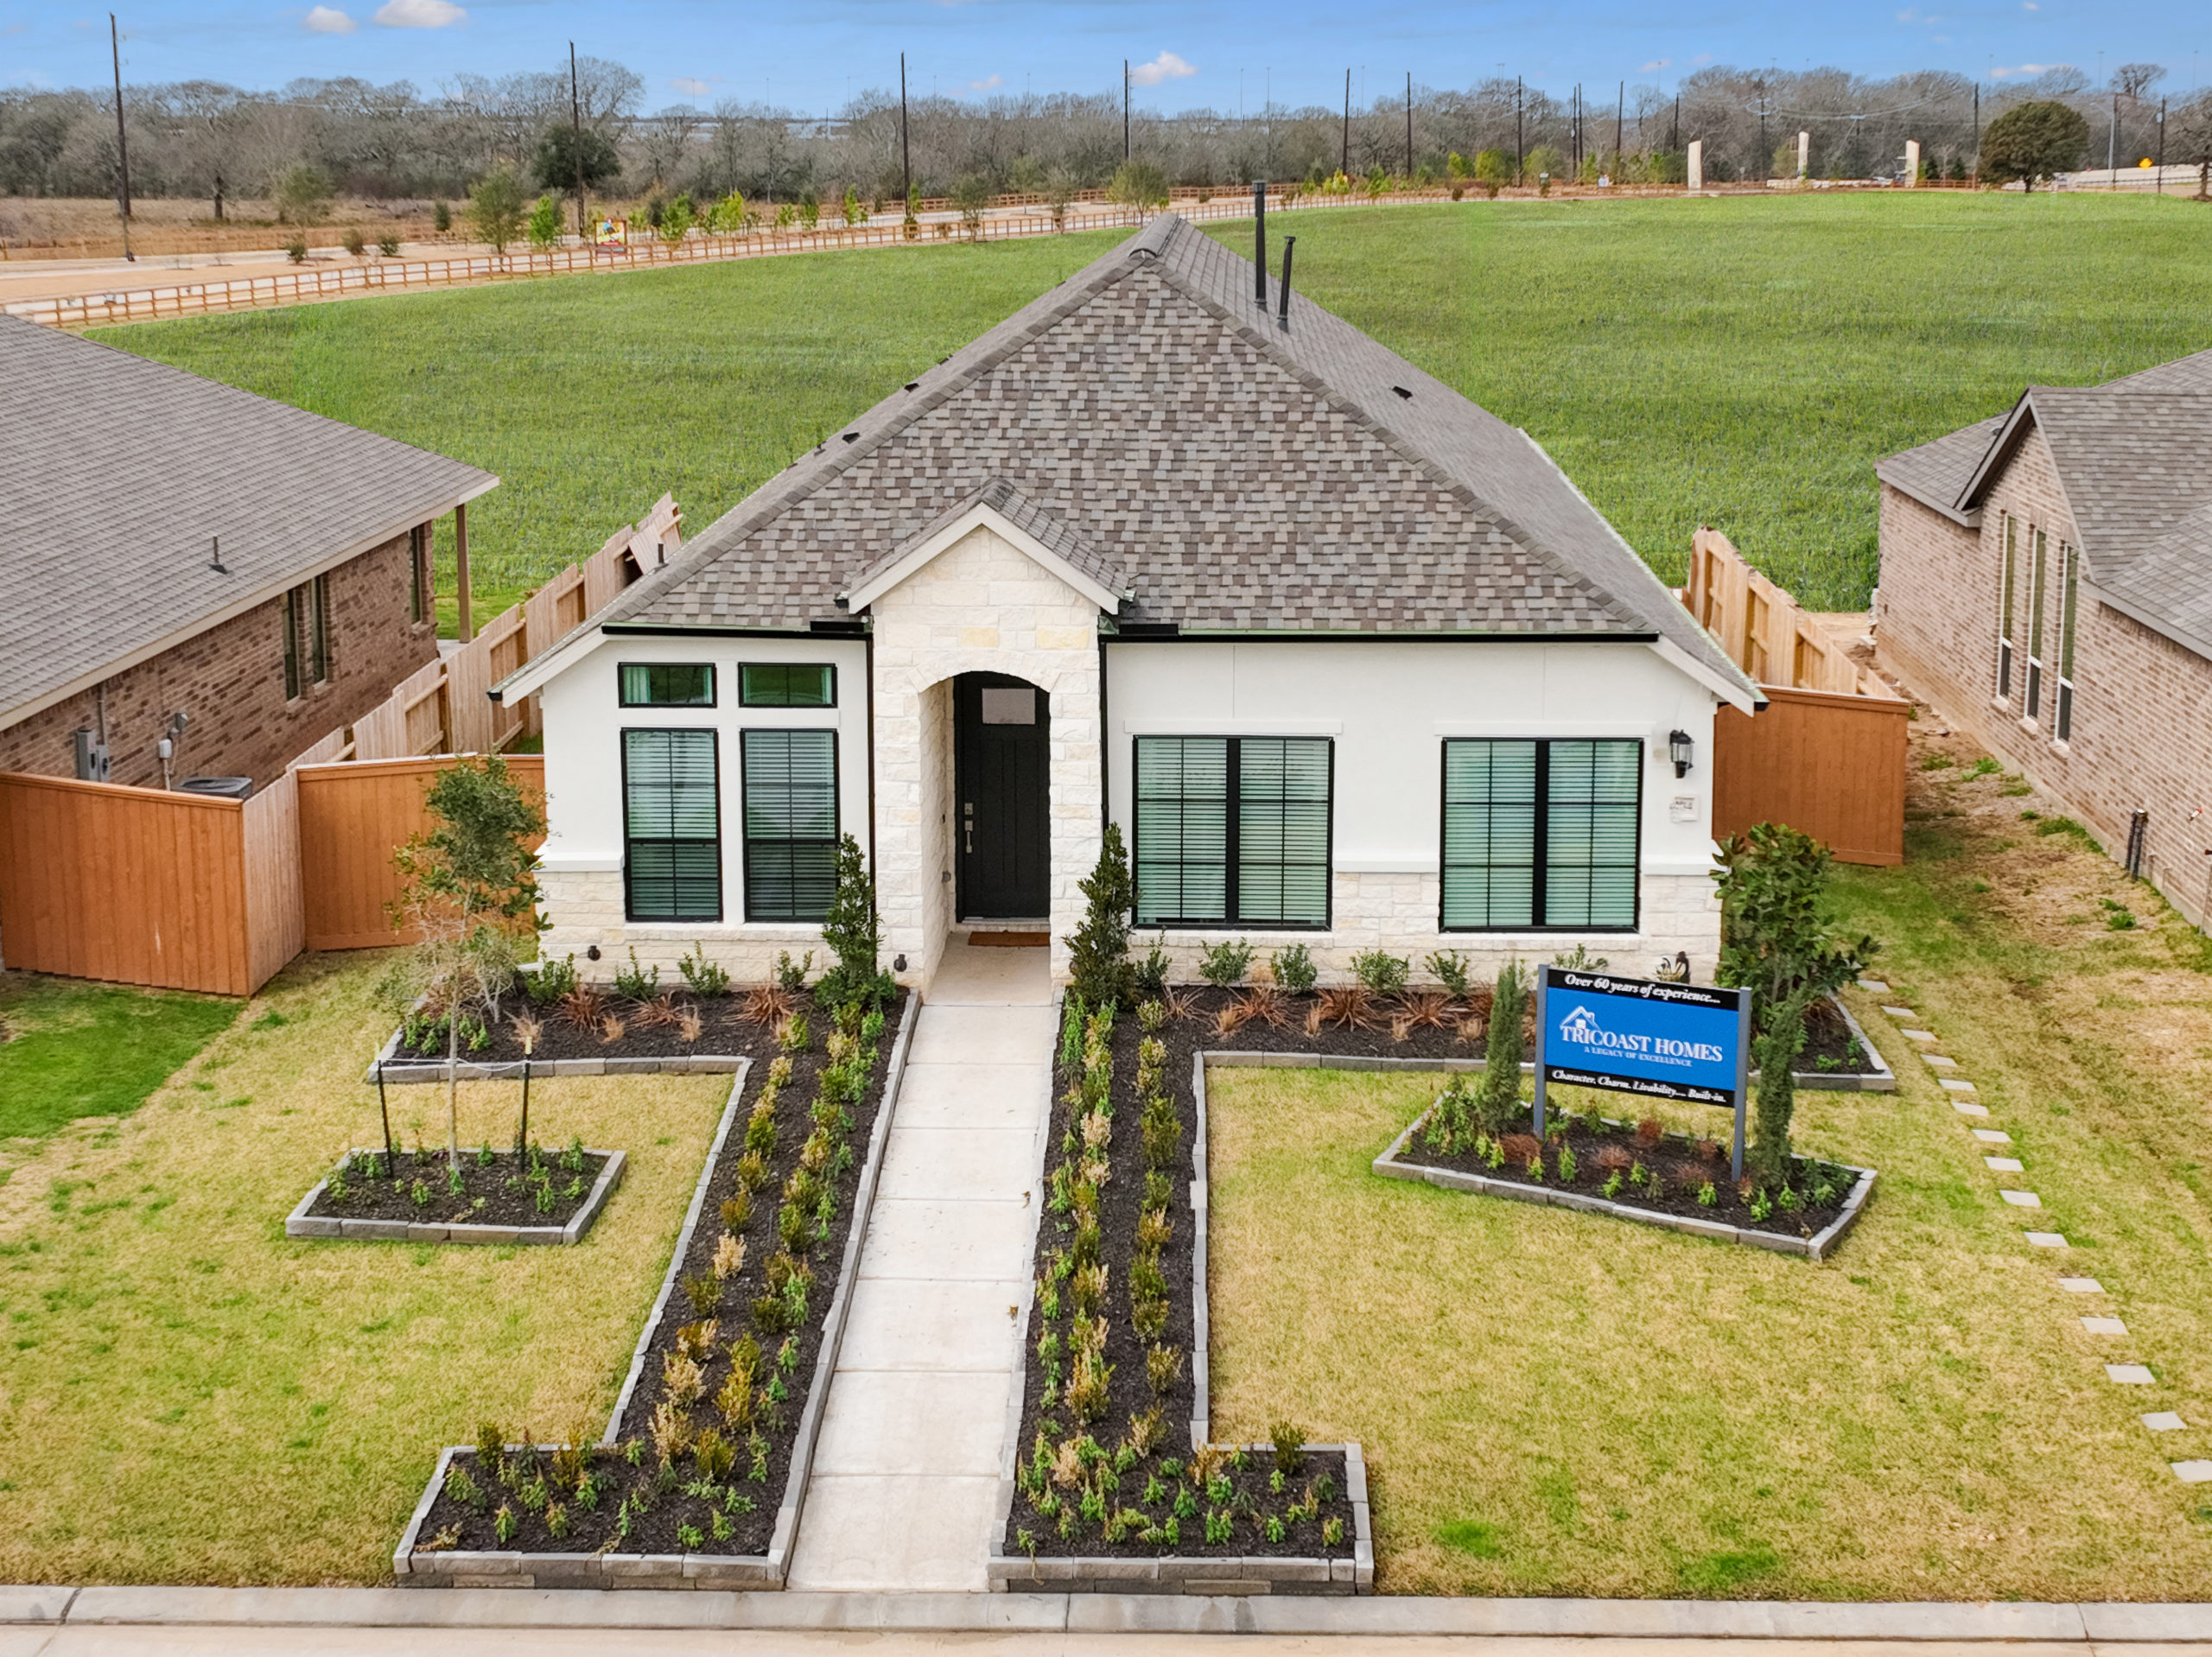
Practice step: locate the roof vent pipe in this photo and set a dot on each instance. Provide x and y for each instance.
(1282, 314)
(1260, 243)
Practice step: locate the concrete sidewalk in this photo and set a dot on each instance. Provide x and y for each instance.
(906, 1474)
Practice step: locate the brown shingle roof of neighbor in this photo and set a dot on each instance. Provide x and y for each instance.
(2130, 457)
(117, 474)
(1233, 475)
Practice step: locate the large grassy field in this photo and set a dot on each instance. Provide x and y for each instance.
(1736, 362)
(188, 1396)
(1555, 1404)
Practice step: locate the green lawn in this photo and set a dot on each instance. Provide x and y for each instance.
(188, 1396)
(1736, 362)
(1558, 1403)
(76, 1050)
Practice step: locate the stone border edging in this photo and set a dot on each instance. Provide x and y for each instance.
(300, 1223)
(469, 1608)
(743, 1572)
(1881, 1079)
(1183, 1575)
(1814, 1247)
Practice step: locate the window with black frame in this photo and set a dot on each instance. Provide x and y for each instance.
(667, 684)
(786, 684)
(791, 824)
(1233, 831)
(671, 825)
(1541, 834)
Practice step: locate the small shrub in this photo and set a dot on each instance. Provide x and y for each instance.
(1098, 966)
(704, 977)
(634, 982)
(296, 250)
(1449, 969)
(1381, 972)
(1163, 1367)
(1292, 969)
(1152, 972)
(1226, 964)
(1936, 762)
(388, 245)
(791, 976)
(1707, 1194)
(704, 1294)
(1289, 1441)
(1351, 1005)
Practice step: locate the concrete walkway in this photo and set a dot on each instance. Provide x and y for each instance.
(906, 1474)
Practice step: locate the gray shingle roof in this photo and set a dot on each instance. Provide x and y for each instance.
(1235, 476)
(116, 471)
(1935, 473)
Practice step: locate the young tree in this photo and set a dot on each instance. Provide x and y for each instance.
(1497, 1105)
(2033, 141)
(972, 195)
(544, 222)
(1774, 1053)
(677, 220)
(468, 886)
(1775, 937)
(569, 158)
(854, 931)
(1493, 171)
(1098, 956)
(1138, 184)
(302, 195)
(495, 207)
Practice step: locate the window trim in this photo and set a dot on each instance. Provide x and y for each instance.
(622, 696)
(295, 687)
(2039, 553)
(2008, 557)
(2069, 560)
(744, 813)
(318, 590)
(743, 701)
(722, 875)
(1232, 846)
(421, 603)
(1540, 838)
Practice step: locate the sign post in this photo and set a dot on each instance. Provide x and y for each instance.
(1689, 1042)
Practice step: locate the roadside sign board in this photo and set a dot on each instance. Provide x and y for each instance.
(1689, 1043)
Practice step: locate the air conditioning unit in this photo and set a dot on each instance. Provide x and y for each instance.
(91, 757)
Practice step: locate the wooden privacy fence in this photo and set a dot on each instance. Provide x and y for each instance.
(1826, 755)
(351, 817)
(138, 887)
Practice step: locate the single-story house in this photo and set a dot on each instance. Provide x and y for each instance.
(1350, 663)
(2046, 585)
(188, 564)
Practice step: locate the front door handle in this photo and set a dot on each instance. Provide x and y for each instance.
(968, 827)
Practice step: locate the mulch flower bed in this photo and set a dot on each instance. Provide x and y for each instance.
(490, 1188)
(1640, 1165)
(1106, 1467)
(591, 1021)
(703, 1448)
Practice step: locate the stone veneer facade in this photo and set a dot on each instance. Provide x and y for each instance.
(231, 680)
(2140, 700)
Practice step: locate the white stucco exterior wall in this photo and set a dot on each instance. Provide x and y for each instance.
(1388, 707)
(580, 869)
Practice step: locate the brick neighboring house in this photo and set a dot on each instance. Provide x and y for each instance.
(2046, 584)
(120, 479)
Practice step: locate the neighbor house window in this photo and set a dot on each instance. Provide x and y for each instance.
(786, 684)
(791, 824)
(307, 637)
(421, 594)
(2010, 559)
(2035, 622)
(668, 684)
(671, 826)
(1541, 834)
(2070, 560)
(1233, 830)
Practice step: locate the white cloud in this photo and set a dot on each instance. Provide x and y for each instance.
(420, 14)
(691, 86)
(325, 20)
(987, 84)
(2030, 6)
(1166, 66)
(1702, 57)
(1655, 66)
(2026, 69)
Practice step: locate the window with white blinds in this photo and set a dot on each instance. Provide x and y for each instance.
(1541, 834)
(1233, 830)
(791, 824)
(671, 814)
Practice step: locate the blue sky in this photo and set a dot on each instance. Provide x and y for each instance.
(811, 56)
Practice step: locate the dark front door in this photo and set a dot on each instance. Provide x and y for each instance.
(1002, 812)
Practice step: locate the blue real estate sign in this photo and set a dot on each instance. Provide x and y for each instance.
(1680, 1042)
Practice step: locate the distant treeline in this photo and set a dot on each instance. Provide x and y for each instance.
(199, 138)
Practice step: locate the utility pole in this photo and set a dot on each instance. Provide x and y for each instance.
(1520, 148)
(1977, 132)
(905, 161)
(2111, 145)
(2160, 183)
(1675, 132)
(1409, 123)
(1344, 165)
(576, 137)
(1620, 120)
(122, 145)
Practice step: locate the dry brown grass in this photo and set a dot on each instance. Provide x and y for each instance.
(1555, 1404)
(188, 1396)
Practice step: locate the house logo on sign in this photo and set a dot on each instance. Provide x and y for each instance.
(1580, 1027)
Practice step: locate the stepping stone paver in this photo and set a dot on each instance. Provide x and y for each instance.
(2081, 1285)
(2164, 1421)
(1874, 986)
(2103, 1326)
(2129, 1375)
(1954, 1084)
(1968, 1107)
(2003, 1165)
(2048, 1239)
(1936, 1061)
(1992, 1136)
(1899, 1011)
(2022, 1199)
(2192, 1472)
(1920, 1035)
